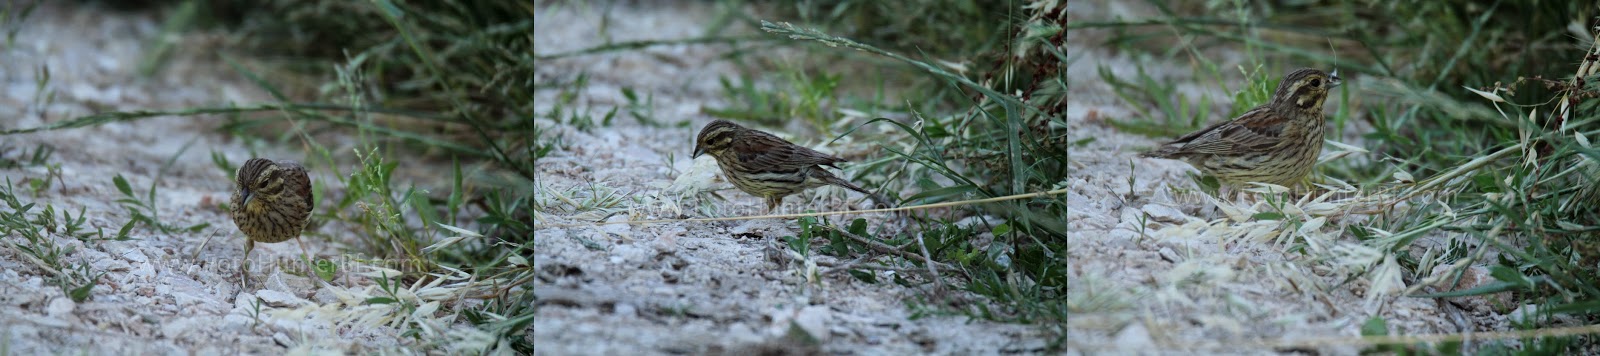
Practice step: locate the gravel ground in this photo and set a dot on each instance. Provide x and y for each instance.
(1184, 278)
(696, 287)
(165, 293)
(1155, 271)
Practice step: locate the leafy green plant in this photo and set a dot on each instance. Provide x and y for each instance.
(1500, 155)
(144, 209)
(40, 156)
(642, 110)
(77, 280)
(12, 17)
(413, 83)
(1177, 114)
(1009, 146)
(750, 102)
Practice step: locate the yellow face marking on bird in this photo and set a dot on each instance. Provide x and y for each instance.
(1309, 100)
(1304, 89)
(1312, 90)
(263, 189)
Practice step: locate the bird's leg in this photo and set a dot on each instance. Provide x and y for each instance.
(310, 262)
(244, 265)
(303, 252)
(773, 202)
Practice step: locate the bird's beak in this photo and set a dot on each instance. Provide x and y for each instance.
(697, 152)
(247, 196)
(1333, 80)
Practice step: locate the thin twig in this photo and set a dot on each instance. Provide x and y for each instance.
(881, 247)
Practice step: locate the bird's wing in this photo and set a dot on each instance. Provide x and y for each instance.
(297, 172)
(1257, 129)
(762, 149)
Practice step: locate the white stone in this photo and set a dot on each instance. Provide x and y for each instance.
(60, 307)
(814, 320)
(280, 299)
(1134, 337)
(627, 310)
(176, 328)
(1163, 213)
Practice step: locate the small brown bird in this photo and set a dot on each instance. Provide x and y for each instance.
(767, 166)
(1277, 142)
(271, 203)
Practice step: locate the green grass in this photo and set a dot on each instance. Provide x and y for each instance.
(1008, 148)
(143, 208)
(13, 16)
(40, 156)
(37, 244)
(440, 83)
(35, 228)
(451, 83)
(1007, 143)
(1511, 177)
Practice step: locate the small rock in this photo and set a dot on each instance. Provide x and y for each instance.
(743, 228)
(664, 291)
(143, 271)
(109, 264)
(1171, 256)
(283, 339)
(108, 63)
(325, 296)
(814, 320)
(1123, 239)
(1134, 337)
(1163, 213)
(280, 299)
(1525, 314)
(617, 228)
(134, 255)
(60, 307)
(625, 309)
(971, 221)
(176, 328)
(667, 241)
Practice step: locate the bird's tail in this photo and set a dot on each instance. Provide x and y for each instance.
(1165, 151)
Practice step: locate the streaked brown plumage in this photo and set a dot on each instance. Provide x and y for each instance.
(271, 203)
(1277, 142)
(767, 166)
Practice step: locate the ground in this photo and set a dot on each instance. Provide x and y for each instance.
(1158, 271)
(694, 287)
(1150, 273)
(164, 292)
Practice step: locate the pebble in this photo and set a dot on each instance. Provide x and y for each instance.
(60, 307)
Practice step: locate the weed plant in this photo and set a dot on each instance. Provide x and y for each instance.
(1470, 128)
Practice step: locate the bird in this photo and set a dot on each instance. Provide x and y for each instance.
(767, 166)
(271, 203)
(1277, 142)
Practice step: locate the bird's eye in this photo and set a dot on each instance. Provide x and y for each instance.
(261, 185)
(1316, 82)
